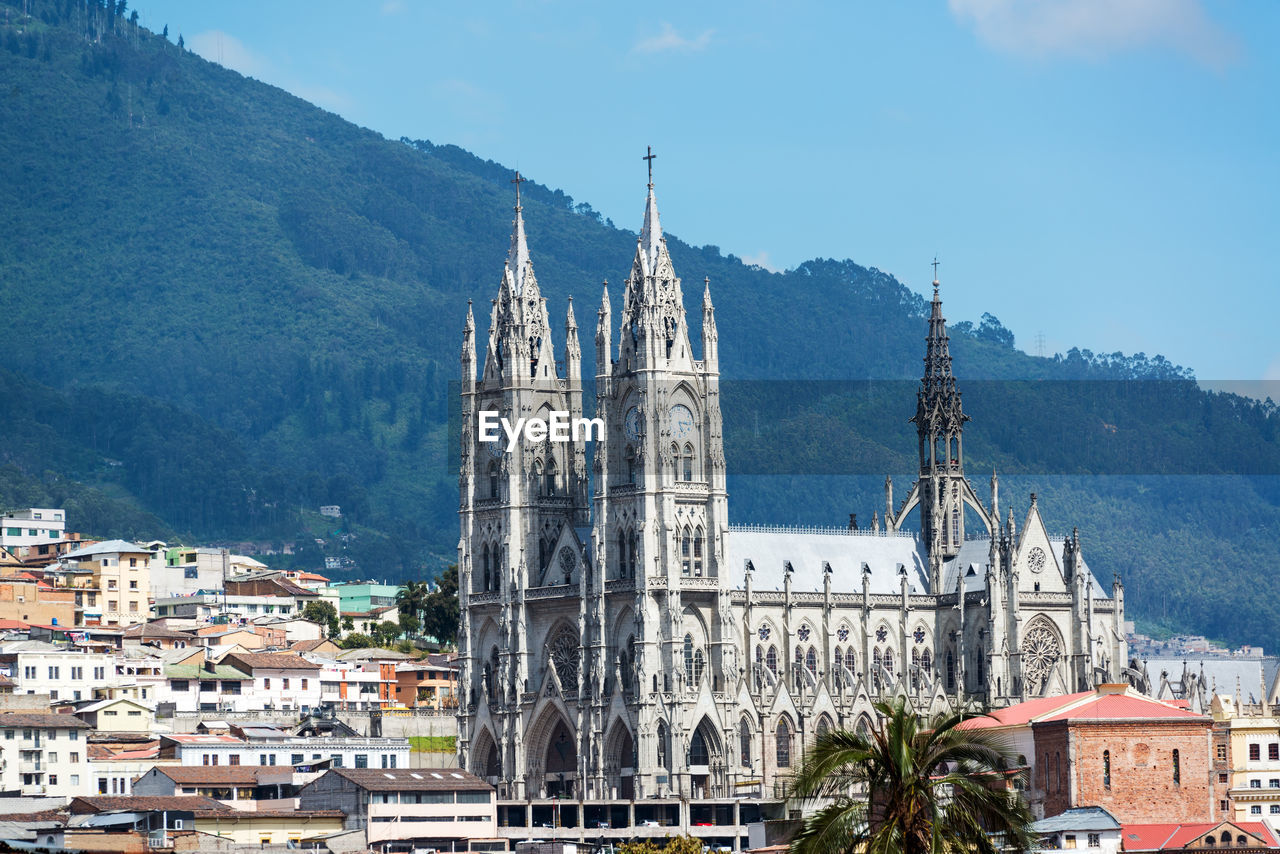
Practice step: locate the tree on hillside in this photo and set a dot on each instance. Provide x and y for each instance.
(934, 788)
(323, 613)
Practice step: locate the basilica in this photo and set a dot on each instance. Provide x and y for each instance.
(621, 639)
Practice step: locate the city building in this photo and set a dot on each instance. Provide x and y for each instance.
(432, 809)
(37, 667)
(121, 576)
(1251, 744)
(43, 754)
(1092, 828)
(1137, 757)
(33, 601)
(23, 532)
(1199, 836)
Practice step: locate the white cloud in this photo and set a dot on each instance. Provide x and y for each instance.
(671, 41)
(760, 259)
(1093, 28)
(228, 51)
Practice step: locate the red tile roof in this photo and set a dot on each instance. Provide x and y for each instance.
(1023, 713)
(1164, 837)
(1118, 706)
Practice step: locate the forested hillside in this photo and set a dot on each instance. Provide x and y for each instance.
(225, 307)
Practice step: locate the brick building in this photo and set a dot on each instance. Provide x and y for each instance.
(1139, 758)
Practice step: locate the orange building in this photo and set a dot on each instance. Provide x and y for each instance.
(26, 598)
(431, 683)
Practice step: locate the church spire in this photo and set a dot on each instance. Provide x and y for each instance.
(939, 422)
(651, 233)
(518, 260)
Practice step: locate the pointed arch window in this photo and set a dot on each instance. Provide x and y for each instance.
(824, 726)
(851, 661)
(888, 662)
(552, 484)
(664, 745)
(688, 657)
(926, 664)
(686, 549)
(699, 664)
(811, 661)
(1106, 768)
(698, 748)
(783, 738)
(771, 660)
(744, 742)
(493, 478)
(697, 551)
(688, 462)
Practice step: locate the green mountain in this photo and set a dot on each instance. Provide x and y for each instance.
(225, 307)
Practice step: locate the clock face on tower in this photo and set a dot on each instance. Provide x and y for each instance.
(681, 421)
(633, 424)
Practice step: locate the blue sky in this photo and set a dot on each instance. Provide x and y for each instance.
(1101, 174)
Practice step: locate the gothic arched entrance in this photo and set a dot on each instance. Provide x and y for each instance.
(706, 761)
(620, 762)
(561, 762)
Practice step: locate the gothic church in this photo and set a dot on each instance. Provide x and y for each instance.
(621, 639)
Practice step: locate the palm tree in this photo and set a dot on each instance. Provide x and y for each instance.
(932, 789)
(412, 597)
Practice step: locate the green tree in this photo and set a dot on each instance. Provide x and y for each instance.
(409, 624)
(323, 613)
(356, 640)
(386, 633)
(348, 624)
(933, 788)
(673, 845)
(440, 608)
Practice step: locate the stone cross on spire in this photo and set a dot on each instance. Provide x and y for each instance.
(935, 268)
(518, 181)
(650, 157)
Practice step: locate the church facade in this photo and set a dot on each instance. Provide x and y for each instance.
(620, 639)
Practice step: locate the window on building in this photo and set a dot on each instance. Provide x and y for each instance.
(304, 684)
(1095, 840)
(1256, 809)
(1255, 752)
(771, 660)
(1273, 751)
(664, 745)
(233, 759)
(744, 743)
(53, 672)
(686, 550)
(1106, 768)
(1222, 778)
(1069, 841)
(133, 585)
(1255, 784)
(266, 682)
(1275, 809)
(697, 551)
(1177, 767)
(286, 684)
(362, 760)
(1222, 753)
(783, 737)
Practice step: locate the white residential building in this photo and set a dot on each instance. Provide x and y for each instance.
(277, 749)
(184, 571)
(44, 754)
(210, 604)
(280, 681)
(21, 529)
(41, 668)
